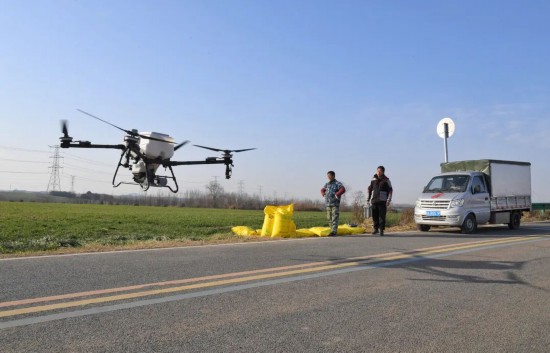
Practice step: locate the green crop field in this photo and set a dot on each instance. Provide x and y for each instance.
(29, 226)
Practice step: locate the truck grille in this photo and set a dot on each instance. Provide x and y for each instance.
(434, 204)
(434, 218)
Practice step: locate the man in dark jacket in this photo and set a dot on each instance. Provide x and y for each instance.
(380, 193)
(332, 191)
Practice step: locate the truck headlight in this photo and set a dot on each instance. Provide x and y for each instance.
(418, 203)
(457, 203)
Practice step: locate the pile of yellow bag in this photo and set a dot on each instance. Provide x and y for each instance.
(278, 222)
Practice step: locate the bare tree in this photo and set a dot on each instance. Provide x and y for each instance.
(215, 190)
(358, 215)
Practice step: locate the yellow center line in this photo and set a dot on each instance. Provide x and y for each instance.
(49, 307)
(219, 276)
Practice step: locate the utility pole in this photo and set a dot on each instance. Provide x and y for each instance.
(54, 184)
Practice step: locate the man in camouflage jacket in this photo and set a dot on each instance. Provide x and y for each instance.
(332, 192)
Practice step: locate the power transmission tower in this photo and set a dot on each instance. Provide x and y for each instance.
(241, 188)
(54, 184)
(72, 183)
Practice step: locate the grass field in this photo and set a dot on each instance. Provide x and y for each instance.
(36, 228)
(28, 226)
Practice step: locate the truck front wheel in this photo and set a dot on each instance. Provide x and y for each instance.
(423, 227)
(470, 225)
(515, 220)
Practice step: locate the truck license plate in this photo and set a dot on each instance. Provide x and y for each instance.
(433, 213)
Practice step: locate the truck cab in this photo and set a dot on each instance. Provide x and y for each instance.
(454, 199)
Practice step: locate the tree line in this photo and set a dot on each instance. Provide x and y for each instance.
(212, 196)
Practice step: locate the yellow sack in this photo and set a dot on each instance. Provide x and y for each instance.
(343, 230)
(358, 230)
(283, 225)
(287, 210)
(269, 212)
(243, 230)
(352, 230)
(320, 231)
(304, 232)
(289, 230)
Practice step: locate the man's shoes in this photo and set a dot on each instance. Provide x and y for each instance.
(374, 231)
(332, 234)
(381, 232)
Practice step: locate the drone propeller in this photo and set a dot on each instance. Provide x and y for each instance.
(181, 145)
(64, 128)
(106, 122)
(129, 132)
(226, 152)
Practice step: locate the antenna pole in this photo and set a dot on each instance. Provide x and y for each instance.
(446, 126)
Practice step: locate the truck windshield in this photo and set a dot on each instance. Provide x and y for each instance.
(448, 183)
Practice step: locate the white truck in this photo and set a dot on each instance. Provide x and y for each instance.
(474, 192)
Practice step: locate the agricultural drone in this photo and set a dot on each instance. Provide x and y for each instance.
(143, 152)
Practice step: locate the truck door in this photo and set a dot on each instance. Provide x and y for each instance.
(480, 202)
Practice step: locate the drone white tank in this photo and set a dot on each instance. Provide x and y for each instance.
(154, 148)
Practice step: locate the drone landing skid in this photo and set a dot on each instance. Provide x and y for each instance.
(149, 179)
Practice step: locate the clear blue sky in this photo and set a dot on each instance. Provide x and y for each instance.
(314, 85)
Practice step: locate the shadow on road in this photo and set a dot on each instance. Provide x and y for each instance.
(482, 232)
(442, 268)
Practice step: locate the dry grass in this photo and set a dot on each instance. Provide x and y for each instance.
(536, 216)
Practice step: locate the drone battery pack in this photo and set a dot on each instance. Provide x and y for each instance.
(155, 148)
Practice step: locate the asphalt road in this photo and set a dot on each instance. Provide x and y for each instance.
(406, 292)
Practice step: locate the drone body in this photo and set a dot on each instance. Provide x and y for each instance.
(143, 153)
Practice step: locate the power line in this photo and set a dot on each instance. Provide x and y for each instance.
(22, 149)
(12, 172)
(95, 171)
(19, 160)
(88, 179)
(74, 157)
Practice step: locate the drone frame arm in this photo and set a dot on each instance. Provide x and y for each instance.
(210, 160)
(88, 144)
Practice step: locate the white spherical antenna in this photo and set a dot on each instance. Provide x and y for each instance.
(450, 127)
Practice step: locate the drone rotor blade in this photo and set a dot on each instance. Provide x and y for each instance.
(64, 128)
(181, 145)
(227, 152)
(106, 122)
(129, 132)
(246, 149)
(210, 148)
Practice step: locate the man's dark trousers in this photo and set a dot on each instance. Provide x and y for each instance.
(379, 215)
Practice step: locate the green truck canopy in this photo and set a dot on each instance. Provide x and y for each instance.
(478, 165)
